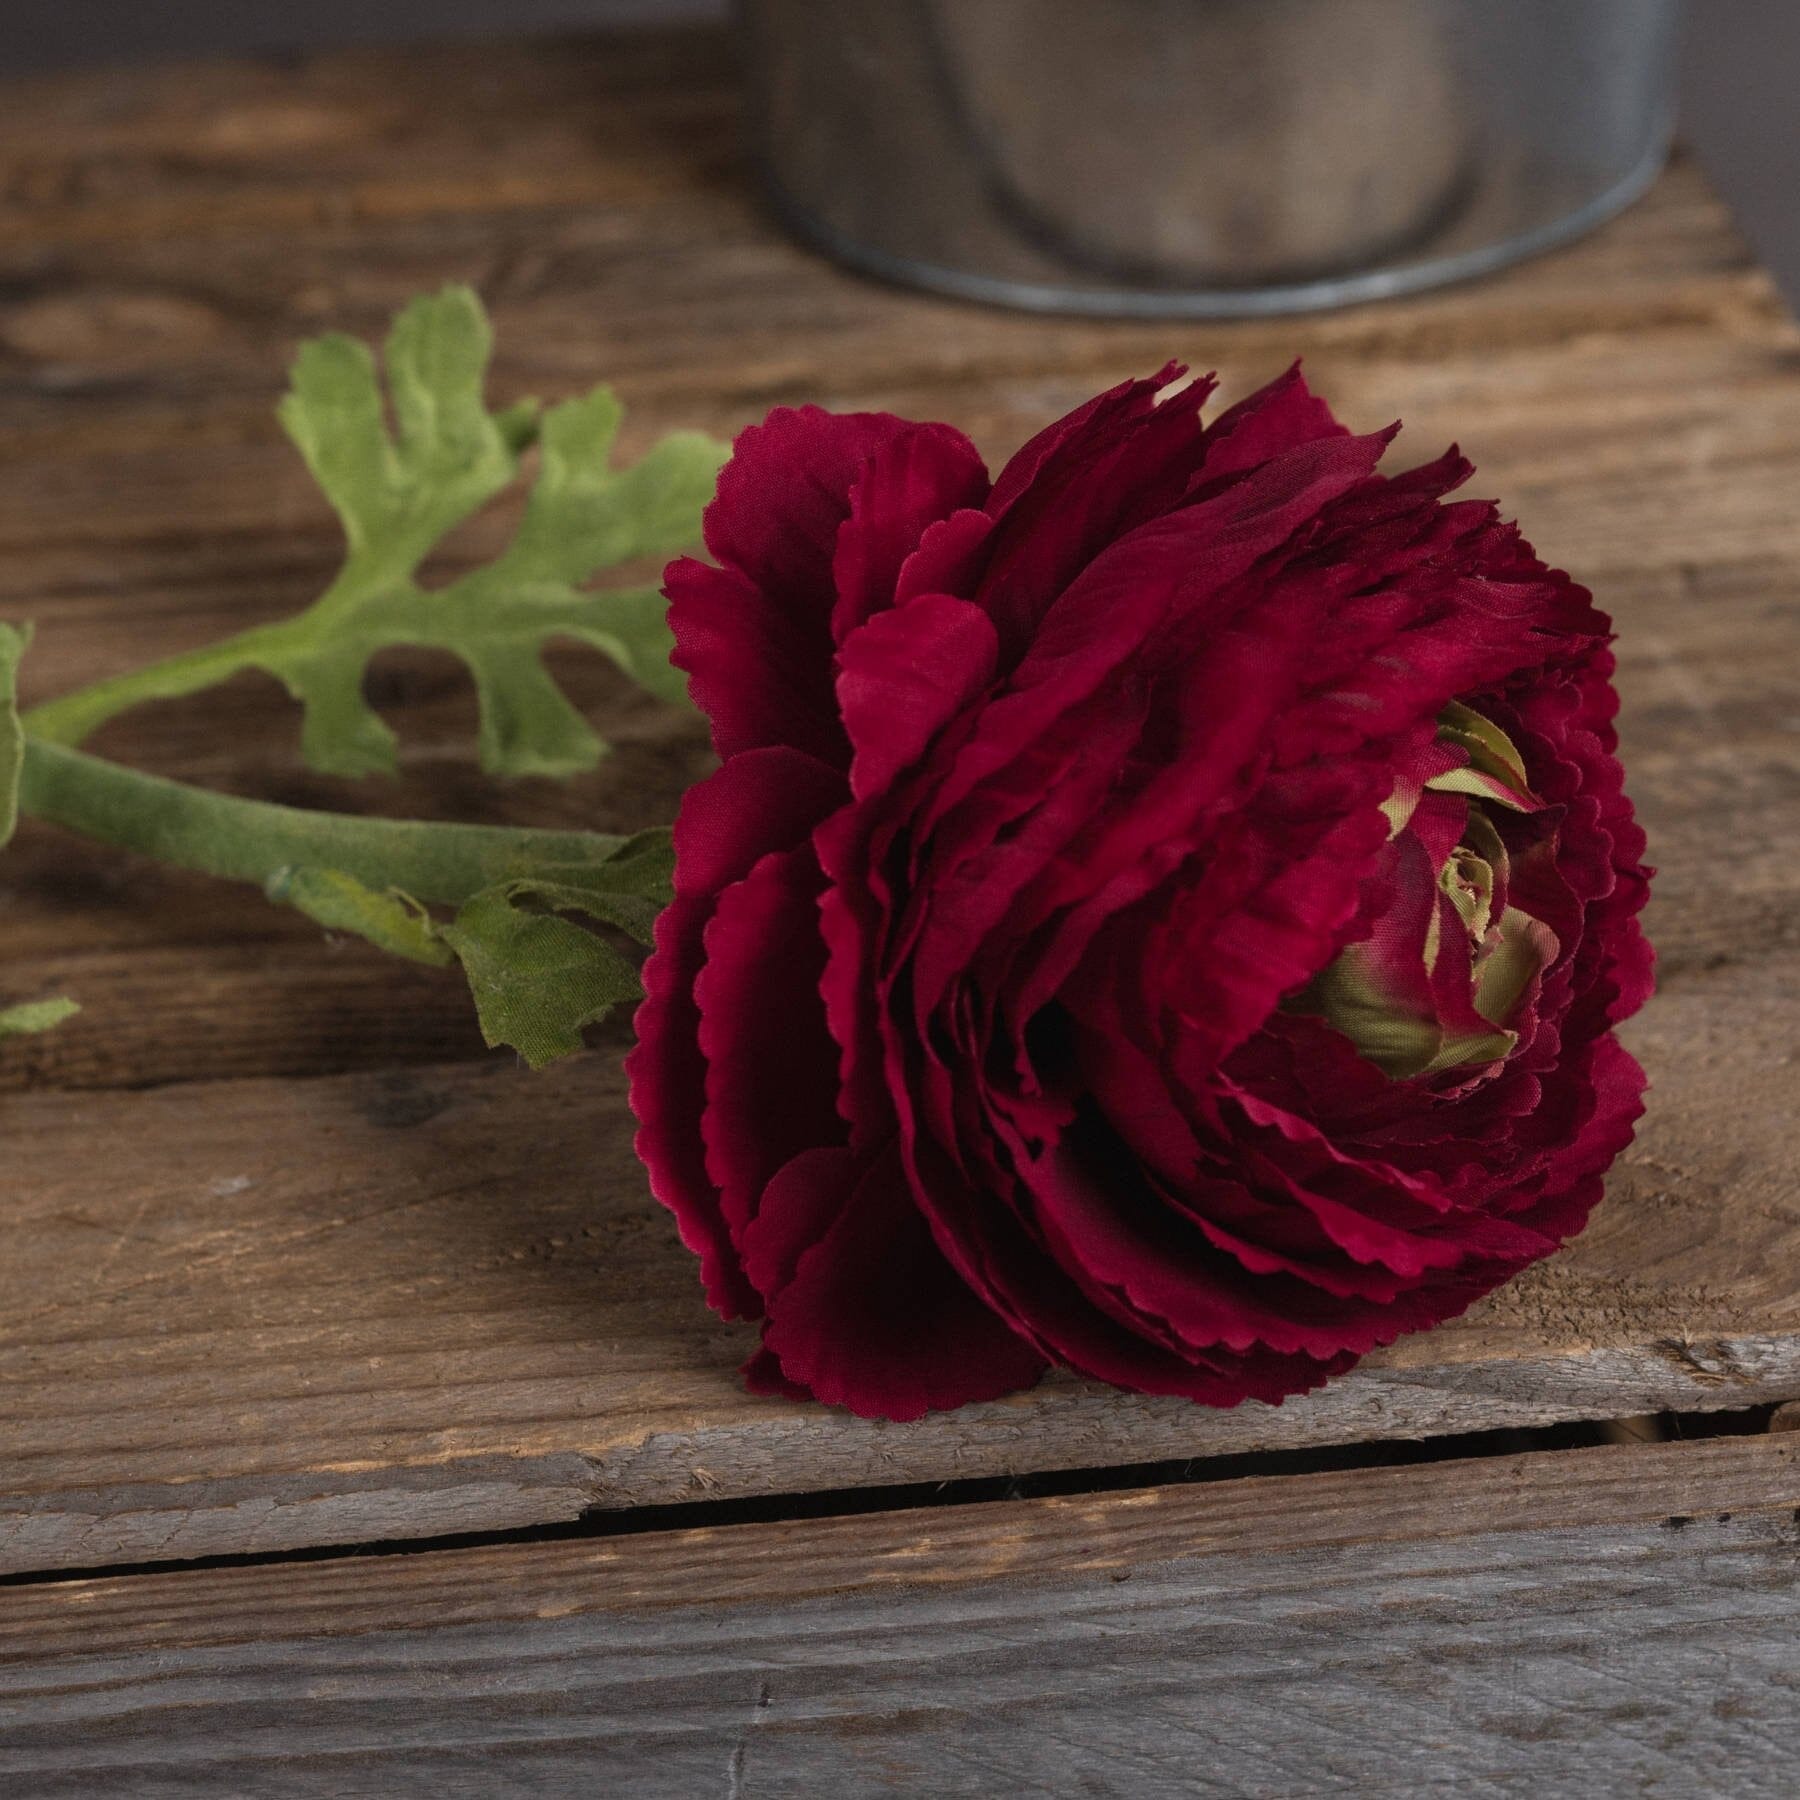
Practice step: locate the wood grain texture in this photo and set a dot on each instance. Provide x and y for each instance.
(1624, 1616)
(391, 1273)
(288, 1260)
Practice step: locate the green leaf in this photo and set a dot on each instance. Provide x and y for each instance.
(13, 640)
(391, 921)
(403, 469)
(398, 495)
(35, 1016)
(626, 888)
(538, 978)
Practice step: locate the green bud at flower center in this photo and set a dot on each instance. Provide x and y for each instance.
(1437, 983)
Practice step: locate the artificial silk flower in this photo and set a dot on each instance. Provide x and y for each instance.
(1162, 911)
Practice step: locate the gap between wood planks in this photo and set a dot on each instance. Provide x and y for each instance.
(774, 1508)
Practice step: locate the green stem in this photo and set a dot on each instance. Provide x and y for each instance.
(73, 718)
(255, 840)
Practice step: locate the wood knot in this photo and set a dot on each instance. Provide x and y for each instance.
(112, 328)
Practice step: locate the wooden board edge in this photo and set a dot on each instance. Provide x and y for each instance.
(1093, 1427)
(1113, 1536)
(280, 1513)
(1066, 1425)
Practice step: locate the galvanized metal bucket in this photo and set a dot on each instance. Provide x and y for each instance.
(1203, 157)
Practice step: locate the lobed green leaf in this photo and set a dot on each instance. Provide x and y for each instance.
(406, 451)
(398, 494)
(538, 978)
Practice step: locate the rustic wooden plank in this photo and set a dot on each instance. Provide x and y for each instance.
(1407, 1631)
(443, 1302)
(1672, 1484)
(398, 1271)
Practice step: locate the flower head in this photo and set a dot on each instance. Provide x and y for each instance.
(1161, 911)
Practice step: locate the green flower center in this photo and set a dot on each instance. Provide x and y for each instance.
(1439, 981)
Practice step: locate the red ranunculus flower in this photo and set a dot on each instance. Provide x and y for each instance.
(1161, 912)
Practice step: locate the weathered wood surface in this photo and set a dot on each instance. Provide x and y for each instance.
(1623, 1617)
(449, 1282)
(290, 1261)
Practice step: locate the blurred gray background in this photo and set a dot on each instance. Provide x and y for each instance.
(1740, 113)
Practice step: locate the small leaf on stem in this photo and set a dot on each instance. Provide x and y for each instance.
(537, 977)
